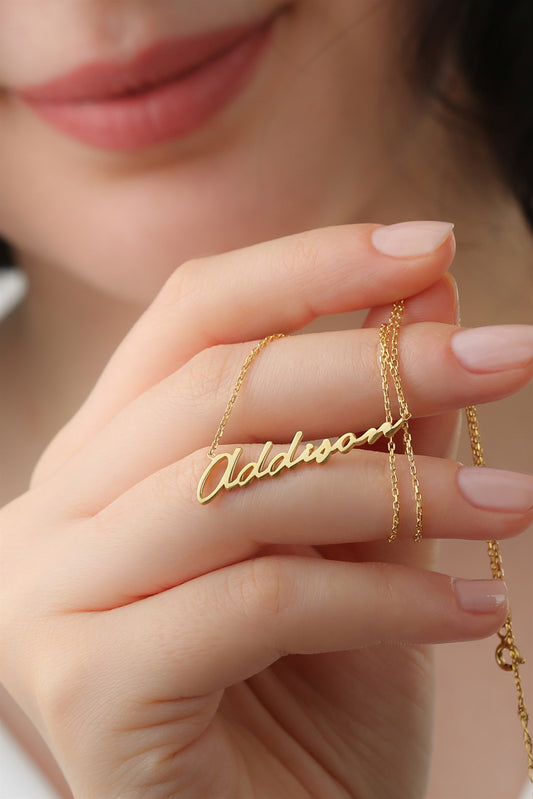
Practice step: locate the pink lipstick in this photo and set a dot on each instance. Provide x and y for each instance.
(166, 92)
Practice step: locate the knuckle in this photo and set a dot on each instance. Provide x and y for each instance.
(210, 374)
(362, 359)
(64, 680)
(379, 476)
(306, 254)
(261, 589)
(54, 689)
(42, 670)
(305, 268)
(319, 259)
(391, 592)
(181, 286)
(374, 480)
(49, 460)
(164, 492)
(188, 474)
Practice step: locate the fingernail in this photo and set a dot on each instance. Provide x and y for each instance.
(480, 596)
(496, 489)
(454, 288)
(494, 349)
(408, 239)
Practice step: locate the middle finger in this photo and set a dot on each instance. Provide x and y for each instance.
(323, 384)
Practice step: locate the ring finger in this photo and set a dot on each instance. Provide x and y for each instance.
(157, 535)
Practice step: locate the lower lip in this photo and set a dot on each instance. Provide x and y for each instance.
(165, 112)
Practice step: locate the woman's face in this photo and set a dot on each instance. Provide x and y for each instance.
(296, 125)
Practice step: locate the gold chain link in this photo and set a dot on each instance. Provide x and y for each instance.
(384, 364)
(507, 646)
(390, 365)
(242, 374)
(389, 360)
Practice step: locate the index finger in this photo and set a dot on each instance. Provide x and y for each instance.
(281, 285)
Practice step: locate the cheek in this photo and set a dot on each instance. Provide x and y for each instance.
(311, 148)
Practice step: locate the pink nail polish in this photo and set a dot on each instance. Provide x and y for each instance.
(496, 489)
(494, 349)
(480, 596)
(410, 239)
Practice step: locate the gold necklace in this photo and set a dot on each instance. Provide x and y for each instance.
(390, 367)
(507, 648)
(234, 475)
(226, 472)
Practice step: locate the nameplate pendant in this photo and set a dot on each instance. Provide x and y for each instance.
(225, 471)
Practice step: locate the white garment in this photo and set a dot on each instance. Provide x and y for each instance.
(527, 793)
(13, 287)
(19, 777)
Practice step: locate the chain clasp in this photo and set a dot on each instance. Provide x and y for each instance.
(507, 646)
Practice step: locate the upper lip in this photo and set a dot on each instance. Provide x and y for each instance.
(159, 62)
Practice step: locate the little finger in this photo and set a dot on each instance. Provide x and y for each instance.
(230, 624)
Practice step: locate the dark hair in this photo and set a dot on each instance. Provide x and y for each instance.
(6, 256)
(490, 44)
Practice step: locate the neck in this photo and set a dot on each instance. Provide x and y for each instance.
(52, 348)
(494, 269)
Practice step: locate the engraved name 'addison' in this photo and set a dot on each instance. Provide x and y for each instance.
(231, 477)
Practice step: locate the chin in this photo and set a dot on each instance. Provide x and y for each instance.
(130, 258)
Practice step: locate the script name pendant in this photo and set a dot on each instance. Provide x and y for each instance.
(231, 476)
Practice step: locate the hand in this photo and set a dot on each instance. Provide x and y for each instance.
(246, 648)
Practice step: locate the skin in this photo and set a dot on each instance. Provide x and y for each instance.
(153, 664)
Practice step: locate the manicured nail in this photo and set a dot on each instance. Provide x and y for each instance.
(496, 489)
(494, 349)
(480, 596)
(408, 239)
(452, 282)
